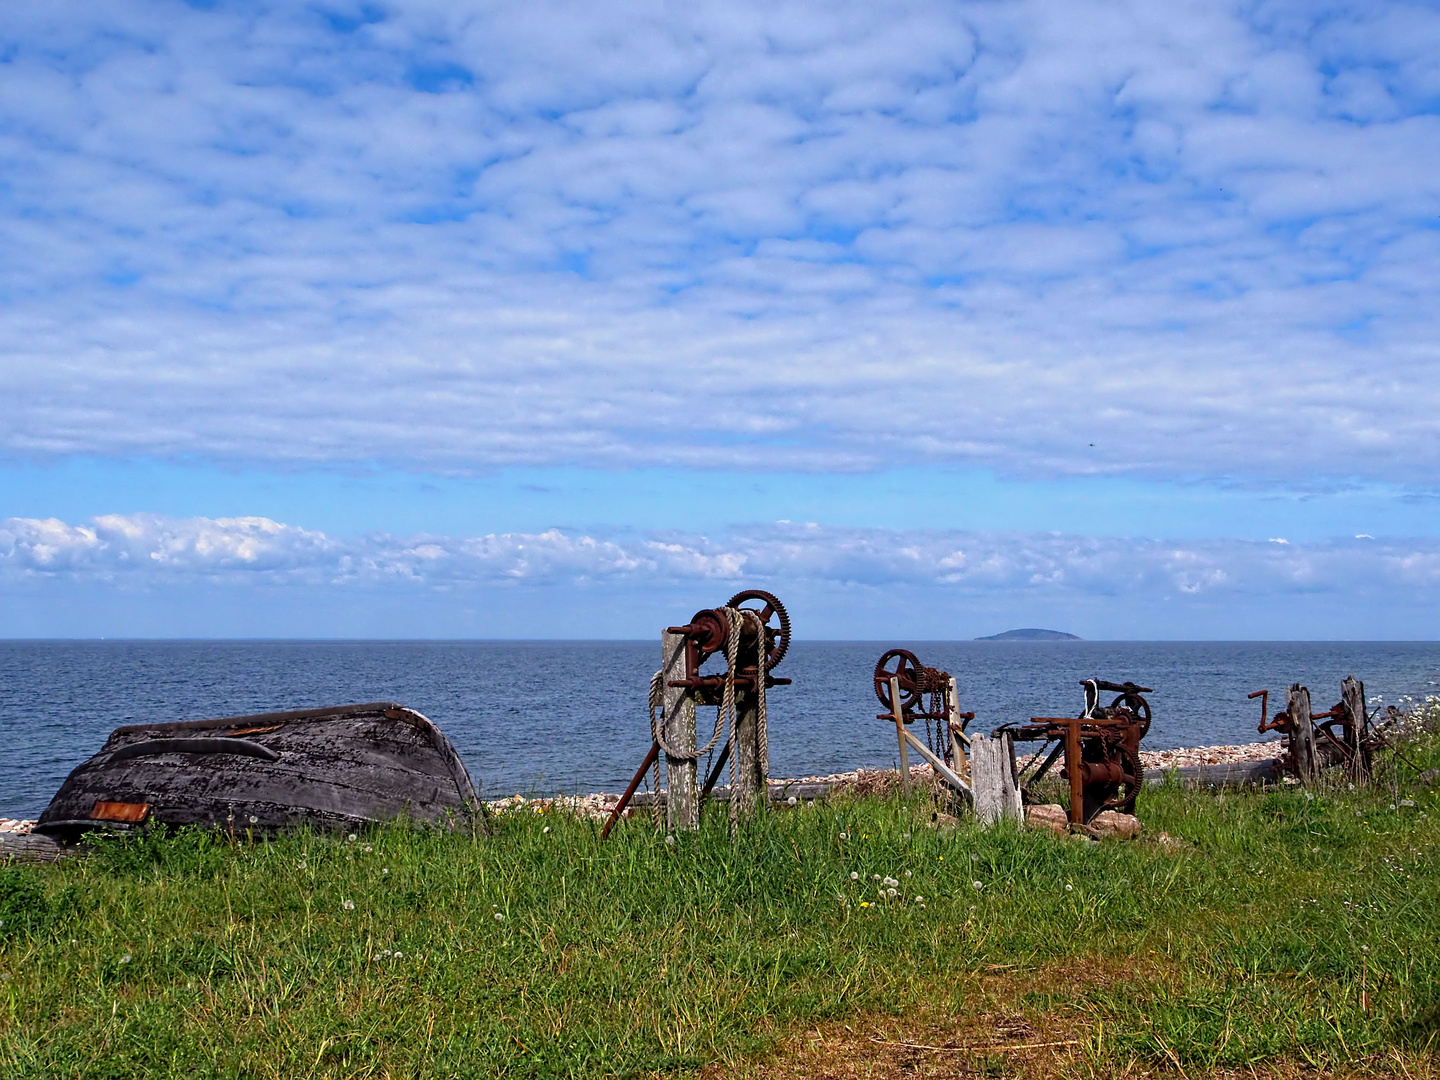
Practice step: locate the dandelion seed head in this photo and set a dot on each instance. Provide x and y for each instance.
(125, 959)
(348, 905)
(499, 917)
(854, 875)
(977, 884)
(350, 839)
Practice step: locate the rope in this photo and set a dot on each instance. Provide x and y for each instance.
(724, 716)
(657, 701)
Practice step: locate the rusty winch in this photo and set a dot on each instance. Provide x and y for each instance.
(735, 626)
(927, 694)
(751, 633)
(1101, 748)
(1341, 736)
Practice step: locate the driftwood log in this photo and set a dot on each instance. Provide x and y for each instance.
(32, 848)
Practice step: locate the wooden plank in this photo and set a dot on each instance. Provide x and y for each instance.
(682, 808)
(1302, 735)
(898, 711)
(992, 780)
(944, 771)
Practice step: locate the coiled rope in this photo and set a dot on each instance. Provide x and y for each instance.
(724, 716)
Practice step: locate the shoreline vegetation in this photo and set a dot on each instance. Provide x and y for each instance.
(1280, 932)
(599, 804)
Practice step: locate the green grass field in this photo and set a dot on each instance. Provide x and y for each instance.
(1284, 929)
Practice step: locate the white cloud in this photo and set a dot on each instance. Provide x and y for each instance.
(144, 549)
(1199, 236)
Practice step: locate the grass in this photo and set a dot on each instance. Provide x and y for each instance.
(1284, 929)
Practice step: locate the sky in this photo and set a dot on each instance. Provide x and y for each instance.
(550, 319)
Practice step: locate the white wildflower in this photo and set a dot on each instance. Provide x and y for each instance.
(125, 959)
(348, 905)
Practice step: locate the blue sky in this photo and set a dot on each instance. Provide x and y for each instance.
(550, 319)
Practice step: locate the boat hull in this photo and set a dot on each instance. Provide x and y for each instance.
(333, 768)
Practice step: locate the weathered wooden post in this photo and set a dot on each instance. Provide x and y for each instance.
(682, 802)
(899, 713)
(1302, 733)
(993, 781)
(1352, 695)
(748, 780)
(958, 738)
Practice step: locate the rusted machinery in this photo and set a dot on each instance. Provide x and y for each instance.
(1101, 748)
(751, 634)
(928, 694)
(1341, 736)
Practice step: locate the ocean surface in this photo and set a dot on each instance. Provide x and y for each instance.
(564, 716)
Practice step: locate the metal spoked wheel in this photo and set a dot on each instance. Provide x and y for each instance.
(1137, 705)
(905, 666)
(777, 638)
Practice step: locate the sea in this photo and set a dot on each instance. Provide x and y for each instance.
(569, 717)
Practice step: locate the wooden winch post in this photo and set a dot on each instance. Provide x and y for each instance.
(1302, 733)
(958, 738)
(682, 803)
(748, 780)
(899, 714)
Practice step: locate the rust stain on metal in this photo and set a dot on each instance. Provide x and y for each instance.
(917, 683)
(706, 633)
(129, 812)
(1101, 748)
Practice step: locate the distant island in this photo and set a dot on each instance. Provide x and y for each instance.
(1031, 633)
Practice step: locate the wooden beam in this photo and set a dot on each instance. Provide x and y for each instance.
(941, 769)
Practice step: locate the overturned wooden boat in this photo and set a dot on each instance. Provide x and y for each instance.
(333, 768)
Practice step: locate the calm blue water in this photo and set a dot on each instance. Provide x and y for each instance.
(546, 717)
